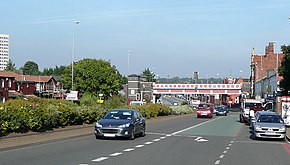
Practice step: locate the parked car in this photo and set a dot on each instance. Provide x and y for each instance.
(205, 110)
(268, 124)
(121, 123)
(221, 110)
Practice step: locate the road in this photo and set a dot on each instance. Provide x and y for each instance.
(185, 140)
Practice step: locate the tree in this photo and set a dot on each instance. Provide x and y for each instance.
(284, 71)
(30, 68)
(149, 74)
(94, 77)
(10, 66)
(57, 71)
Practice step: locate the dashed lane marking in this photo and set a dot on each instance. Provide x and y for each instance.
(156, 140)
(147, 143)
(100, 159)
(139, 146)
(128, 150)
(116, 154)
(217, 162)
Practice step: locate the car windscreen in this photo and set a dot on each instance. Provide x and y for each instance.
(203, 106)
(221, 108)
(123, 115)
(270, 119)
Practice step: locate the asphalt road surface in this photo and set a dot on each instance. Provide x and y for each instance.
(187, 140)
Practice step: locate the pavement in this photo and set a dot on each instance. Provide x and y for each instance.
(14, 140)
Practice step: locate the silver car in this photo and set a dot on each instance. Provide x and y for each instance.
(269, 125)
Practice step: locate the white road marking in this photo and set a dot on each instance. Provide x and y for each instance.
(139, 146)
(129, 149)
(116, 154)
(217, 162)
(228, 148)
(225, 152)
(154, 133)
(232, 141)
(198, 138)
(163, 137)
(147, 143)
(222, 156)
(83, 164)
(202, 140)
(100, 159)
(156, 140)
(230, 144)
(177, 132)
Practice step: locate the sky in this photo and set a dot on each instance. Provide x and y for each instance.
(170, 37)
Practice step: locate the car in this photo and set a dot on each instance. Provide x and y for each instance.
(205, 110)
(124, 123)
(269, 124)
(221, 110)
(245, 109)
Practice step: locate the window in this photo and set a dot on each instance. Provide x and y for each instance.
(3, 83)
(9, 83)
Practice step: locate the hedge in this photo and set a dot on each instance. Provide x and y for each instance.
(35, 114)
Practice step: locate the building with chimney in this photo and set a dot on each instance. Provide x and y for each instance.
(264, 73)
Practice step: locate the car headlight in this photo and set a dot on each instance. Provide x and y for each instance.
(258, 128)
(124, 125)
(98, 125)
(208, 111)
(283, 128)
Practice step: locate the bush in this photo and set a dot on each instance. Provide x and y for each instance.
(88, 100)
(184, 109)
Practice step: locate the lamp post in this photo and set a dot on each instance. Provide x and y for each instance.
(277, 65)
(128, 99)
(73, 54)
(129, 53)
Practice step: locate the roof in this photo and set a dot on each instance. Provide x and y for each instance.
(8, 74)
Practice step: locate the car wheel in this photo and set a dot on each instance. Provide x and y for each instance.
(241, 119)
(132, 135)
(143, 133)
(226, 114)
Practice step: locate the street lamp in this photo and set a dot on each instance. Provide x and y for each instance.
(277, 65)
(73, 54)
(129, 53)
(128, 99)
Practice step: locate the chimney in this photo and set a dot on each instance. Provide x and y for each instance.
(271, 47)
(267, 50)
(196, 77)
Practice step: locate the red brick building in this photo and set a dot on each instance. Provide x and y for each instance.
(264, 73)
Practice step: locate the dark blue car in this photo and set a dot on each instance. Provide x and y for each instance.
(221, 110)
(121, 123)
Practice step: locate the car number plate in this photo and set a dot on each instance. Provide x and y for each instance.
(270, 133)
(109, 135)
(204, 114)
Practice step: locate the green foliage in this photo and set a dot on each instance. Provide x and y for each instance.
(178, 110)
(284, 71)
(30, 68)
(35, 114)
(152, 110)
(94, 77)
(57, 71)
(10, 66)
(88, 100)
(149, 74)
